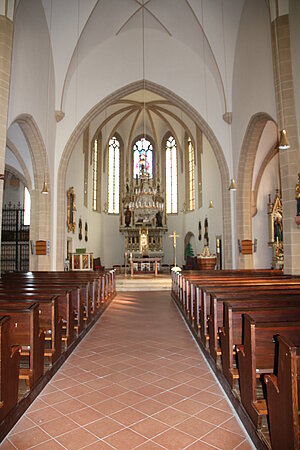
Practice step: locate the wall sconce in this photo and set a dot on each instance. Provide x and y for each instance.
(210, 204)
(247, 247)
(283, 141)
(232, 186)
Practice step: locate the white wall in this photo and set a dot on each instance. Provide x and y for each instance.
(253, 81)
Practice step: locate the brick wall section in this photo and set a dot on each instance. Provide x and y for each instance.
(289, 159)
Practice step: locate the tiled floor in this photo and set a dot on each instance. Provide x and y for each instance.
(136, 381)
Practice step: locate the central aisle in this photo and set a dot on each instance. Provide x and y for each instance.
(137, 380)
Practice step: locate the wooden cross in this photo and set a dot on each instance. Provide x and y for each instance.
(174, 236)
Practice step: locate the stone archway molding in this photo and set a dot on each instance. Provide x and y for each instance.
(40, 223)
(250, 144)
(97, 109)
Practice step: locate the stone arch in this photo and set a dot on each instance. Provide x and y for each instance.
(20, 160)
(40, 224)
(250, 144)
(191, 112)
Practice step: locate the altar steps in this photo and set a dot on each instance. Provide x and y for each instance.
(143, 283)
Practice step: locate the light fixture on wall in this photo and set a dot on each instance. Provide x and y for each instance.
(211, 205)
(283, 140)
(232, 186)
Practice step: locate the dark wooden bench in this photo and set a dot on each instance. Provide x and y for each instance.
(232, 330)
(260, 294)
(9, 369)
(25, 331)
(283, 392)
(49, 320)
(256, 357)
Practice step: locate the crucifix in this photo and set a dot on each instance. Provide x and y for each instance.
(174, 236)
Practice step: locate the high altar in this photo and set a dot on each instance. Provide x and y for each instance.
(143, 218)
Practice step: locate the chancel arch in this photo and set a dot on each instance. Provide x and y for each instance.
(161, 93)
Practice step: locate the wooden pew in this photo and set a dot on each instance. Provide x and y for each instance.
(24, 331)
(283, 395)
(49, 320)
(256, 357)
(9, 369)
(232, 330)
(260, 294)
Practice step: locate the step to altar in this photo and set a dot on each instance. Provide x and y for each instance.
(141, 282)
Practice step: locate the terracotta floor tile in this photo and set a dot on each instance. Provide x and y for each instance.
(206, 397)
(7, 445)
(149, 390)
(125, 439)
(189, 406)
(56, 397)
(171, 416)
(195, 427)
(77, 390)
(167, 383)
(37, 404)
(69, 406)
(185, 390)
(65, 383)
(114, 390)
(103, 427)
(149, 445)
(59, 426)
(218, 435)
(85, 416)
(233, 425)
(99, 445)
(245, 445)
(28, 438)
(199, 445)
(150, 407)
(109, 406)
(72, 439)
(224, 406)
(130, 398)
(174, 439)
(92, 397)
(23, 424)
(200, 383)
(149, 427)
(52, 444)
(128, 416)
(43, 415)
(214, 415)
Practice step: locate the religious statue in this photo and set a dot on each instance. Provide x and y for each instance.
(206, 238)
(297, 190)
(158, 217)
(127, 217)
(277, 230)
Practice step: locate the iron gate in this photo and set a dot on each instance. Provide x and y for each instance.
(14, 240)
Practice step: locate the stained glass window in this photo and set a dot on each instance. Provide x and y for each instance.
(171, 176)
(114, 176)
(143, 158)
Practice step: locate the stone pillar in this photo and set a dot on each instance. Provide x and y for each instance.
(289, 159)
(6, 44)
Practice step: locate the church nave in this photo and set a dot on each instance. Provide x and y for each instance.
(137, 380)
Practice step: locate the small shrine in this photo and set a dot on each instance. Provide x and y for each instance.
(275, 230)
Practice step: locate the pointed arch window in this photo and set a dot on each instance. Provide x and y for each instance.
(142, 158)
(95, 159)
(190, 174)
(114, 176)
(171, 176)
